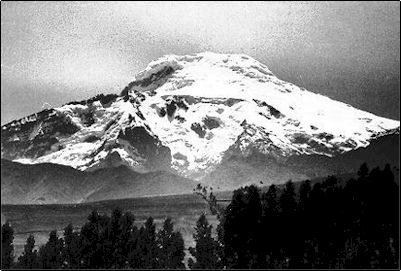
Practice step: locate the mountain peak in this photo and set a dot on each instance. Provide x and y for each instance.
(190, 113)
(207, 56)
(182, 70)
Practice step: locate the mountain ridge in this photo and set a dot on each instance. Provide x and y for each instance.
(49, 183)
(186, 114)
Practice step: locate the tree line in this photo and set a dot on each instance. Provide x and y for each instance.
(328, 224)
(102, 243)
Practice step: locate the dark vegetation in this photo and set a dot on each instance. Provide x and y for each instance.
(103, 242)
(327, 224)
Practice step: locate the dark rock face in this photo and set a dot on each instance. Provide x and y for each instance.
(270, 109)
(162, 74)
(199, 129)
(211, 122)
(91, 138)
(189, 100)
(34, 135)
(104, 100)
(180, 119)
(325, 136)
(171, 107)
(157, 156)
(87, 118)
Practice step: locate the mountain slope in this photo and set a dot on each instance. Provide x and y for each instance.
(261, 169)
(192, 114)
(52, 183)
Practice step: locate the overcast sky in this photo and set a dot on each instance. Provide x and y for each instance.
(55, 52)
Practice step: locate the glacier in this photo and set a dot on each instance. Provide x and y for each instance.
(186, 113)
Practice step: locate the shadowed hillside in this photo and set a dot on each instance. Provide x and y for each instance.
(52, 183)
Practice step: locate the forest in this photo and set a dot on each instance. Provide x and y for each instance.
(332, 223)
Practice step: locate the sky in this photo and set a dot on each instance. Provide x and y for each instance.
(56, 52)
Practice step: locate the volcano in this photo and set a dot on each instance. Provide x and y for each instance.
(222, 119)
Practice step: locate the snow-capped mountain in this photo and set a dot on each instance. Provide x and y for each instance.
(189, 114)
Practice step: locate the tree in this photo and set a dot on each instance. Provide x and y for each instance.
(114, 242)
(304, 226)
(128, 232)
(382, 226)
(270, 201)
(50, 254)
(287, 200)
(270, 234)
(7, 247)
(206, 251)
(144, 249)
(290, 240)
(72, 248)
(351, 226)
(211, 200)
(93, 241)
(170, 247)
(242, 229)
(29, 258)
(304, 192)
(363, 170)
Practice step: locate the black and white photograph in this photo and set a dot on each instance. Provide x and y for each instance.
(200, 135)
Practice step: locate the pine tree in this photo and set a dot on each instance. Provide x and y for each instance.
(287, 199)
(206, 251)
(270, 201)
(129, 231)
(145, 251)
(150, 246)
(242, 229)
(94, 244)
(7, 247)
(50, 254)
(363, 170)
(136, 245)
(171, 247)
(29, 258)
(304, 225)
(304, 192)
(72, 248)
(287, 218)
(270, 214)
(115, 242)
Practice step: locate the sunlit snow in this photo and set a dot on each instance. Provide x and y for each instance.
(248, 105)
